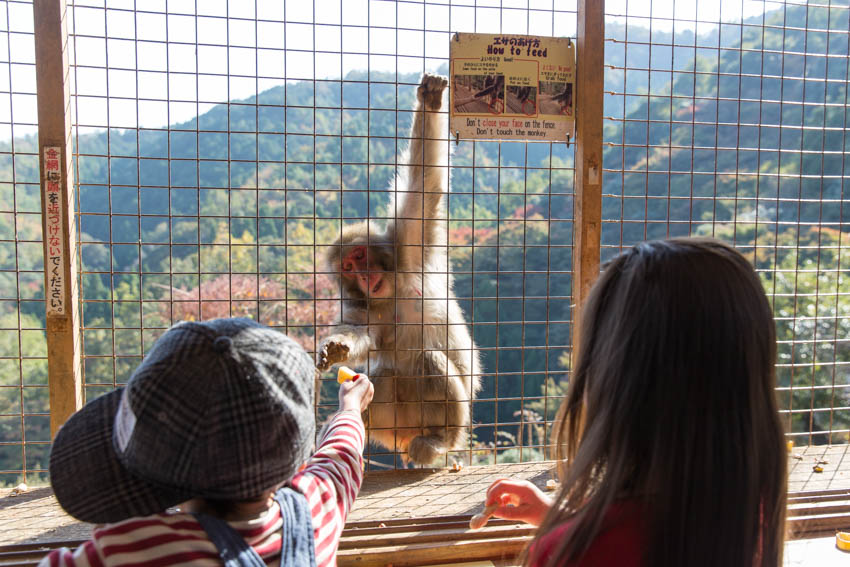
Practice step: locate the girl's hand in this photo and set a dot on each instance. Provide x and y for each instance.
(355, 394)
(518, 500)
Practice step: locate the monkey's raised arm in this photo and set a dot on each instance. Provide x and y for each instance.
(424, 178)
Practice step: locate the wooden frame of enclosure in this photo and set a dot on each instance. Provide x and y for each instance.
(54, 131)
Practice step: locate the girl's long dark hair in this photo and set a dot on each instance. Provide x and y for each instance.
(672, 405)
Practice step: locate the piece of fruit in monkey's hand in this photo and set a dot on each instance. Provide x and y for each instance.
(344, 374)
(477, 521)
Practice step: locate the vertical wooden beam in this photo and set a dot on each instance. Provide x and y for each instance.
(590, 57)
(57, 210)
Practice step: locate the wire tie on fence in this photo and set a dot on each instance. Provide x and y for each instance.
(457, 138)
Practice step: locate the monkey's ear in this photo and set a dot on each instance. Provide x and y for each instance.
(330, 257)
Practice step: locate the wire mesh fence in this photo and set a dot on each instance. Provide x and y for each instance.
(728, 119)
(220, 147)
(24, 411)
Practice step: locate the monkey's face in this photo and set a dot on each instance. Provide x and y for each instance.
(368, 274)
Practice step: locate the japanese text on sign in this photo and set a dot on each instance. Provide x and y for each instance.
(54, 232)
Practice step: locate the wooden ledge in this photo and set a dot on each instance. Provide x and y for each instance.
(420, 516)
(436, 493)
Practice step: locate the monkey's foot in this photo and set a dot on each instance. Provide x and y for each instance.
(331, 352)
(430, 91)
(425, 449)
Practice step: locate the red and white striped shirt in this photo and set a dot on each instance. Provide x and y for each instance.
(330, 481)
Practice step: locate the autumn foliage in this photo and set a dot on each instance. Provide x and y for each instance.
(298, 303)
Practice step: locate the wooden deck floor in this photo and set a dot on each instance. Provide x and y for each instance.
(415, 501)
(36, 517)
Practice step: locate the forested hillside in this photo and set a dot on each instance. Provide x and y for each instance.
(227, 214)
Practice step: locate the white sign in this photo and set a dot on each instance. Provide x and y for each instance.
(512, 87)
(54, 235)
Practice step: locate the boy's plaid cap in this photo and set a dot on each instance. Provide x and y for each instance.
(220, 409)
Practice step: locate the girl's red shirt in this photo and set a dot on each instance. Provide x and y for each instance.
(621, 541)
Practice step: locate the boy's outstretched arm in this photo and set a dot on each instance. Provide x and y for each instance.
(332, 476)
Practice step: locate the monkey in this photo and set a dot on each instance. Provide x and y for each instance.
(522, 93)
(399, 313)
(565, 97)
(493, 86)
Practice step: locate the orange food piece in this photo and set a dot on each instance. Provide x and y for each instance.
(842, 541)
(344, 374)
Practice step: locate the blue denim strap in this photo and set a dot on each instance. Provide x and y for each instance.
(232, 547)
(297, 545)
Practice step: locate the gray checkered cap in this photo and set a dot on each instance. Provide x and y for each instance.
(218, 409)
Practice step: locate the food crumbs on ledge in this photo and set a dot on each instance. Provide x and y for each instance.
(456, 467)
(817, 469)
(551, 484)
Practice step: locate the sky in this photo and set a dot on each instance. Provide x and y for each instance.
(245, 47)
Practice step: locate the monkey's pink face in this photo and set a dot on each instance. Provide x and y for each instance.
(368, 275)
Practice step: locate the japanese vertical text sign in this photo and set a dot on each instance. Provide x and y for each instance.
(55, 236)
(513, 87)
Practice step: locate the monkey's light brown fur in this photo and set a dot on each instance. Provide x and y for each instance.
(399, 312)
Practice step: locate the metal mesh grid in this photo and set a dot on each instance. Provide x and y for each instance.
(220, 146)
(24, 417)
(729, 119)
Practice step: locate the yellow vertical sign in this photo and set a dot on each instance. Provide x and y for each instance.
(513, 87)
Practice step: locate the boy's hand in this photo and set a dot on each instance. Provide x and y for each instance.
(518, 500)
(355, 394)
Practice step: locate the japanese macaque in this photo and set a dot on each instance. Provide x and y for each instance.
(399, 314)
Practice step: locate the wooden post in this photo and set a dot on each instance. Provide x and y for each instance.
(57, 211)
(590, 57)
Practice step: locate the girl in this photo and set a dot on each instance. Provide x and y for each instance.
(670, 440)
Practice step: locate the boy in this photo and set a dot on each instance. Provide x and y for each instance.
(218, 417)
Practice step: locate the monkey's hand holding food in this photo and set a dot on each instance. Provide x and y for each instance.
(334, 349)
(518, 500)
(355, 394)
